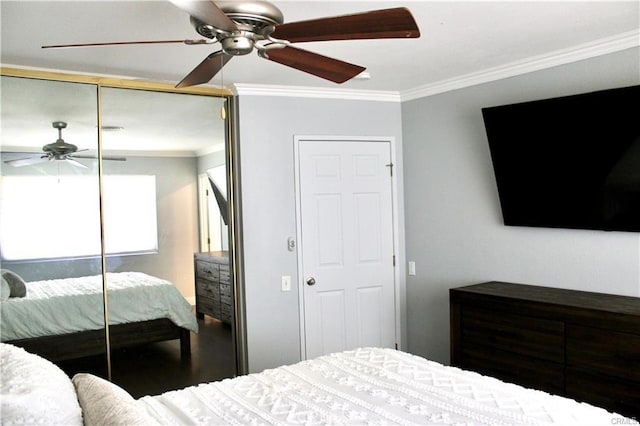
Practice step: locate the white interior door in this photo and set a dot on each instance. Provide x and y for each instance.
(346, 245)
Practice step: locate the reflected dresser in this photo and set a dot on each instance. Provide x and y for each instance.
(214, 291)
(582, 345)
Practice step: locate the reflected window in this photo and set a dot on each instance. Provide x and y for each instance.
(46, 217)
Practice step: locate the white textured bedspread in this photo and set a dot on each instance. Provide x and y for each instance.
(372, 387)
(68, 305)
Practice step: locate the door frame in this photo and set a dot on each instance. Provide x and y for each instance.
(398, 231)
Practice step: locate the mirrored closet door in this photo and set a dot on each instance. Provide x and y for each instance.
(157, 147)
(155, 174)
(50, 230)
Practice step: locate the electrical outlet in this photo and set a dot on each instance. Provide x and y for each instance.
(286, 283)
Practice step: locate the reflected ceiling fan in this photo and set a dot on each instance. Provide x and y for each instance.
(242, 26)
(60, 151)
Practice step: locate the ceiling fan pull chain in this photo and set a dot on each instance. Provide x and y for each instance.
(223, 112)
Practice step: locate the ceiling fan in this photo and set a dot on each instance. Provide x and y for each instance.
(242, 26)
(60, 151)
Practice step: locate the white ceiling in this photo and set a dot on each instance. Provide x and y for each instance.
(458, 39)
(148, 122)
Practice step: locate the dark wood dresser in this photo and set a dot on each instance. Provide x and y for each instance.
(214, 292)
(582, 345)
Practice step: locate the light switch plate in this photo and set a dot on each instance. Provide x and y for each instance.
(412, 268)
(286, 283)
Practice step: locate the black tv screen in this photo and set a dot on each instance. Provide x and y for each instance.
(569, 162)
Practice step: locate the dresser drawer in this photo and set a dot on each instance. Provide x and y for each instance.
(616, 395)
(226, 313)
(207, 271)
(520, 335)
(226, 309)
(225, 290)
(605, 351)
(208, 289)
(225, 276)
(226, 300)
(208, 306)
(526, 371)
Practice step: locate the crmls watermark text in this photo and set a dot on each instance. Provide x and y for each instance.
(624, 421)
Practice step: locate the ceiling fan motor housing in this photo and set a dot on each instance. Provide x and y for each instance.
(253, 19)
(252, 13)
(238, 43)
(59, 149)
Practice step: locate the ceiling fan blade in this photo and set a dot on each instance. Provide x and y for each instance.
(104, 157)
(208, 12)
(75, 163)
(321, 66)
(113, 158)
(21, 162)
(120, 43)
(385, 23)
(205, 70)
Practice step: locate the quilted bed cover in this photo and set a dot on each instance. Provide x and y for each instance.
(369, 386)
(61, 306)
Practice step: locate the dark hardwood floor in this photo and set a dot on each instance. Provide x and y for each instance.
(156, 368)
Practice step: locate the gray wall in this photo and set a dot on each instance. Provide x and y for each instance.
(454, 228)
(266, 130)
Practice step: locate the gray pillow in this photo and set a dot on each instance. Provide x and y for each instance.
(105, 403)
(16, 283)
(5, 290)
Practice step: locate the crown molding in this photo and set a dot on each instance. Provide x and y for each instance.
(210, 150)
(315, 92)
(577, 53)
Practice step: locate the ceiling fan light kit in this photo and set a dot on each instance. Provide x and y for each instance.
(244, 26)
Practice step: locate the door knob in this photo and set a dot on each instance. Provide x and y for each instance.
(311, 281)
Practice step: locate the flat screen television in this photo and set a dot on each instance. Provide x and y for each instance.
(569, 162)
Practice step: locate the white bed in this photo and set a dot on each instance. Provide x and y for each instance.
(61, 306)
(364, 386)
(63, 318)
